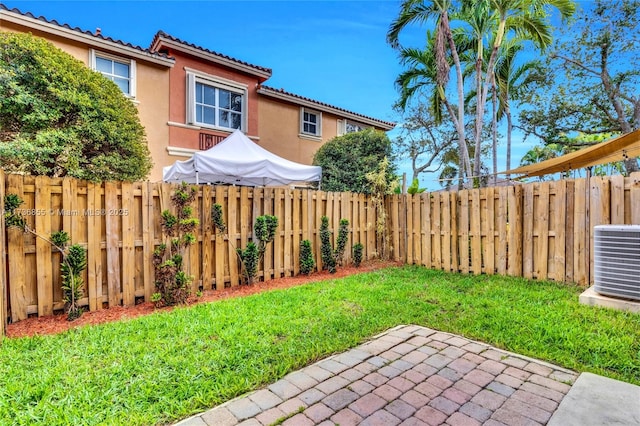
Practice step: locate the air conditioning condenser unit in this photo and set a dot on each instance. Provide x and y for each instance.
(616, 258)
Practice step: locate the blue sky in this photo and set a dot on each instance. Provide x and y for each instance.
(331, 51)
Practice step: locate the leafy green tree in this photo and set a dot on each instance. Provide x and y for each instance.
(345, 160)
(590, 81)
(59, 118)
(423, 140)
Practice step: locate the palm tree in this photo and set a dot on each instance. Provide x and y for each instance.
(511, 81)
(528, 19)
(418, 11)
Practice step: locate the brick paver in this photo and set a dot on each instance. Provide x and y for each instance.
(408, 376)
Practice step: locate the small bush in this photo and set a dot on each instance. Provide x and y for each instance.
(249, 259)
(171, 281)
(216, 217)
(264, 231)
(73, 263)
(357, 254)
(341, 244)
(330, 257)
(307, 262)
(11, 218)
(326, 247)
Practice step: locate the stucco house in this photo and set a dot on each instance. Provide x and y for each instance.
(190, 97)
(143, 75)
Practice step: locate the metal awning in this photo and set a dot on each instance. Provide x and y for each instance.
(616, 149)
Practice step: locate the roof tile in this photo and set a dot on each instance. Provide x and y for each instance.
(81, 31)
(205, 50)
(284, 92)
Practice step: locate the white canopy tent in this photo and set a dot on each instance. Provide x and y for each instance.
(237, 160)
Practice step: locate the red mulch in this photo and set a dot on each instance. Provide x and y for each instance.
(53, 324)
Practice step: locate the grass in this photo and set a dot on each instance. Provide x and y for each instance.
(169, 365)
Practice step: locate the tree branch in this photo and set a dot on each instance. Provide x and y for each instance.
(576, 63)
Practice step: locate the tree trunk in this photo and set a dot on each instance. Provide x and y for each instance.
(494, 131)
(462, 140)
(630, 164)
(507, 112)
(479, 122)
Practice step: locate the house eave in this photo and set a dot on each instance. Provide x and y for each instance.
(198, 53)
(326, 108)
(92, 41)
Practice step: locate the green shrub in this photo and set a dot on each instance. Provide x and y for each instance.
(11, 218)
(73, 259)
(172, 281)
(326, 247)
(73, 263)
(216, 217)
(264, 231)
(357, 254)
(346, 160)
(59, 118)
(249, 259)
(341, 244)
(307, 262)
(330, 257)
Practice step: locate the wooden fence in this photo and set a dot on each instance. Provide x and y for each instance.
(119, 225)
(538, 230)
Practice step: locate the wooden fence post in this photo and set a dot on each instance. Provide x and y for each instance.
(3, 266)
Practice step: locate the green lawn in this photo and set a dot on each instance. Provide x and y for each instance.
(168, 365)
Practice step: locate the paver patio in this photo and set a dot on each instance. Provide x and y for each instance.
(409, 375)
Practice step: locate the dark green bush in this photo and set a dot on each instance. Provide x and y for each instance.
(73, 263)
(249, 259)
(357, 254)
(59, 118)
(307, 262)
(217, 219)
(341, 244)
(347, 159)
(330, 257)
(172, 282)
(264, 231)
(326, 247)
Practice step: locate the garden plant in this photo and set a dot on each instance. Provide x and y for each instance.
(172, 281)
(264, 231)
(73, 257)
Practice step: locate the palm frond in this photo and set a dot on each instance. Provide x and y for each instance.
(411, 12)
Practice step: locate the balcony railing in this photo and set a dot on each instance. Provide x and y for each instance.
(207, 140)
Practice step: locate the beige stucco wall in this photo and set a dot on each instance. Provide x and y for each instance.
(279, 130)
(152, 94)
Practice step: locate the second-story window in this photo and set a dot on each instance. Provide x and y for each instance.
(348, 126)
(218, 107)
(310, 122)
(119, 70)
(215, 104)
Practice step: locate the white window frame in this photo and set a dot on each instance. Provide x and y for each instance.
(93, 54)
(318, 124)
(194, 77)
(342, 126)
